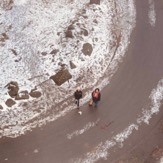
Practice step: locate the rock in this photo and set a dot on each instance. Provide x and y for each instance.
(87, 49)
(35, 94)
(14, 52)
(54, 51)
(13, 88)
(95, 2)
(70, 27)
(10, 102)
(23, 95)
(95, 21)
(61, 77)
(1, 107)
(69, 34)
(3, 37)
(84, 32)
(72, 65)
(44, 53)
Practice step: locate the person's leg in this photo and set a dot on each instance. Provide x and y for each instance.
(96, 103)
(80, 112)
(78, 103)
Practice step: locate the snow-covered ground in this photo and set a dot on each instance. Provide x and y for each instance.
(34, 28)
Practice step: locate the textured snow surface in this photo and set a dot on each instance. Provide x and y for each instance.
(39, 26)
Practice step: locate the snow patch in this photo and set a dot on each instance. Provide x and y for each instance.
(101, 151)
(83, 130)
(20, 2)
(156, 98)
(152, 13)
(161, 160)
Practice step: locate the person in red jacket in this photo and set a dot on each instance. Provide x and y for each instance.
(96, 96)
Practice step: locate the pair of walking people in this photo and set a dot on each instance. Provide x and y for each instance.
(96, 97)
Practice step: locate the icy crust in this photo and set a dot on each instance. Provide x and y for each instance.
(36, 27)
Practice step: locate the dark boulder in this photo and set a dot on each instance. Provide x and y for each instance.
(85, 32)
(69, 34)
(72, 65)
(54, 51)
(87, 49)
(95, 2)
(13, 88)
(61, 77)
(35, 94)
(10, 102)
(44, 53)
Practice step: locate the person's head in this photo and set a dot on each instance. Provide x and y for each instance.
(97, 90)
(78, 89)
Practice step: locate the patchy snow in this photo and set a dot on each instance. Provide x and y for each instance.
(152, 13)
(102, 150)
(156, 98)
(87, 127)
(161, 160)
(39, 26)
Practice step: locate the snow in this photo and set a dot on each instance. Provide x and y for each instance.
(102, 149)
(161, 160)
(87, 127)
(39, 26)
(152, 13)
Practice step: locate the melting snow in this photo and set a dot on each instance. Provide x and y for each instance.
(152, 13)
(102, 149)
(39, 26)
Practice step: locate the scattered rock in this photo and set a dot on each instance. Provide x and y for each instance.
(44, 53)
(87, 49)
(85, 32)
(14, 52)
(95, 2)
(1, 107)
(10, 102)
(61, 77)
(13, 88)
(72, 65)
(3, 37)
(95, 21)
(58, 33)
(69, 34)
(55, 51)
(70, 27)
(22, 95)
(35, 94)
(17, 60)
